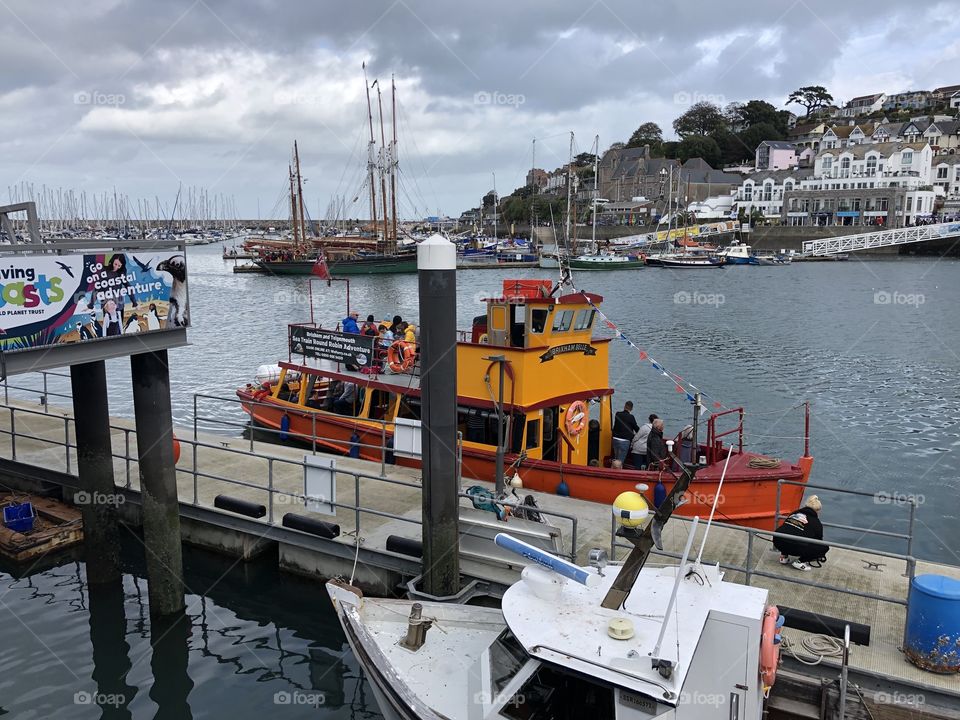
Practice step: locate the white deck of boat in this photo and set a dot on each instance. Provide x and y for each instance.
(574, 626)
(845, 569)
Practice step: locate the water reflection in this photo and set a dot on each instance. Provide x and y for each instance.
(252, 642)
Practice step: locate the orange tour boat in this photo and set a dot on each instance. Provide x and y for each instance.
(557, 403)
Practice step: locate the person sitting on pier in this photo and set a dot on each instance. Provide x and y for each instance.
(804, 523)
(343, 405)
(624, 428)
(656, 447)
(349, 323)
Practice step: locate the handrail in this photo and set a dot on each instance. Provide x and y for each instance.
(714, 445)
(197, 473)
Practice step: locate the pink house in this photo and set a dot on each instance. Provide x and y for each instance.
(776, 155)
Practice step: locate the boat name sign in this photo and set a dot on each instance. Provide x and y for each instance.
(330, 345)
(585, 348)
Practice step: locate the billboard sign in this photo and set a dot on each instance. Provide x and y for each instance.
(338, 347)
(48, 300)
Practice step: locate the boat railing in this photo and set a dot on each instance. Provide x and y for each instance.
(714, 438)
(325, 441)
(280, 481)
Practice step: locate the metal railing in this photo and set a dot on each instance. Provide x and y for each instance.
(752, 554)
(44, 392)
(275, 496)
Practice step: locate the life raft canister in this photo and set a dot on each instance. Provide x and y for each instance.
(401, 356)
(769, 648)
(575, 418)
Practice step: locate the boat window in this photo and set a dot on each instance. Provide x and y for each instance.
(561, 695)
(562, 320)
(380, 404)
(533, 433)
(409, 408)
(507, 656)
(584, 319)
(538, 320)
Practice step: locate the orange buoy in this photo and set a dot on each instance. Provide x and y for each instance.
(575, 418)
(769, 648)
(176, 449)
(401, 356)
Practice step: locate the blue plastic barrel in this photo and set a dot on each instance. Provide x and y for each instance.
(932, 638)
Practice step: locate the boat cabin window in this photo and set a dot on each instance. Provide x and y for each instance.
(480, 426)
(518, 326)
(552, 692)
(562, 320)
(409, 408)
(538, 320)
(507, 656)
(380, 404)
(584, 319)
(533, 433)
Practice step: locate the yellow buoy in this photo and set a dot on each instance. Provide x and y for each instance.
(631, 509)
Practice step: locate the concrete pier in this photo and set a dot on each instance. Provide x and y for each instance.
(158, 478)
(392, 507)
(95, 472)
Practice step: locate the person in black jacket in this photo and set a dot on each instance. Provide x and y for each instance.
(804, 523)
(656, 446)
(624, 428)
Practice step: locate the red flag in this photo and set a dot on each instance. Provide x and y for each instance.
(643, 355)
(320, 268)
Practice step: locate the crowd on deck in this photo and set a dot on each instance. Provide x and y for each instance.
(387, 333)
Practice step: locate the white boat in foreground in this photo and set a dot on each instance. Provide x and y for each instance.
(674, 641)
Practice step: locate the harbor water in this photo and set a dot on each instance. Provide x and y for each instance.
(874, 345)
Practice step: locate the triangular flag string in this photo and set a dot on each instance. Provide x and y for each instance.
(680, 385)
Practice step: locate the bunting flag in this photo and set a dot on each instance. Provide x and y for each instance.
(680, 385)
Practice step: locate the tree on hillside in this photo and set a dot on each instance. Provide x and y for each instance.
(647, 134)
(757, 112)
(701, 147)
(702, 118)
(812, 97)
(616, 146)
(583, 159)
(732, 150)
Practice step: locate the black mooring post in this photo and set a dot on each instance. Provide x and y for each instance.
(158, 481)
(437, 267)
(97, 496)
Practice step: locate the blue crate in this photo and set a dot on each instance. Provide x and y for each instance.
(19, 518)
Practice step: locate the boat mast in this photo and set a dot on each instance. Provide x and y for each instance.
(495, 213)
(533, 194)
(303, 227)
(293, 207)
(569, 189)
(371, 147)
(596, 190)
(393, 160)
(381, 169)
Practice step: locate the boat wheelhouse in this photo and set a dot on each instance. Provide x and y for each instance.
(557, 404)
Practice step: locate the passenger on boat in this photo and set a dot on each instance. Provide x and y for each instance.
(369, 326)
(638, 446)
(804, 523)
(656, 447)
(410, 334)
(624, 428)
(395, 327)
(343, 405)
(349, 323)
(334, 390)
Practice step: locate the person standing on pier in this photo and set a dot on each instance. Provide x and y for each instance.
(624, 428)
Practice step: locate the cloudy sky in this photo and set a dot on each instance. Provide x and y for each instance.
(142, 96)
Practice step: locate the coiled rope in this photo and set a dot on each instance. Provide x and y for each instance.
(812, 649)
(763, 462)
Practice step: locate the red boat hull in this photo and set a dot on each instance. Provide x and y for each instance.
(748, 496)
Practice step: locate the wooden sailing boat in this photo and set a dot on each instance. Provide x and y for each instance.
(375, 253)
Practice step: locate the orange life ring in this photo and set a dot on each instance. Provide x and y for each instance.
(575, 418)
(401, 356)
(769, 648)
